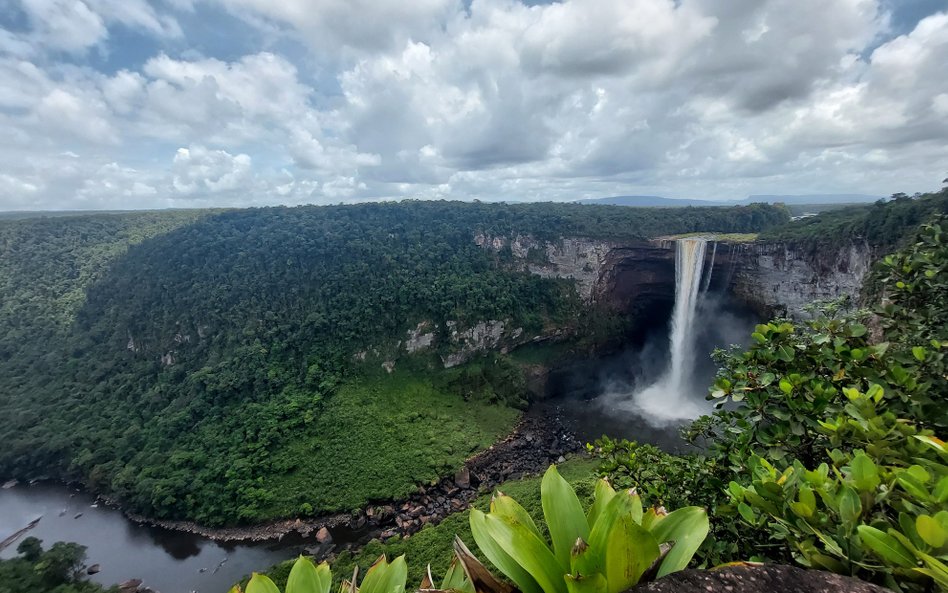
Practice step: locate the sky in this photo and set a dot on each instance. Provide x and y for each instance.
(125, 104)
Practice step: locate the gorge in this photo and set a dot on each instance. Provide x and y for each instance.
(340, 335)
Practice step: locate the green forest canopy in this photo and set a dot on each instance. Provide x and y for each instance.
(261, 311)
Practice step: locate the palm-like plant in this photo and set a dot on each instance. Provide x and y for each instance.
(613, 546)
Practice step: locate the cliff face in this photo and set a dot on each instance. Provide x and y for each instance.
(781, 279)
(638, 279)
(772, 278)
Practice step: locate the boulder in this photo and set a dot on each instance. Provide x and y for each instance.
(93, 569)
(463, 478)
(323, 536)
(130, 586)
(764, 578)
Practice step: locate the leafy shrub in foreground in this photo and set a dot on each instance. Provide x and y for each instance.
(876, 510)
(669, 479)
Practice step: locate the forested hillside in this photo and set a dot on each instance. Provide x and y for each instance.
(178, 371)
(882, 225)
(46, 265)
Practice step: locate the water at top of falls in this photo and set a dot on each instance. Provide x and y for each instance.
(669, 399)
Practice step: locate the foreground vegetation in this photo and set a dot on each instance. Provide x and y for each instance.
(61, 569)
(607, 546)
(212, 371)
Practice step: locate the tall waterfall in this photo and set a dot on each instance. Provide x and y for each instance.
(669, 399)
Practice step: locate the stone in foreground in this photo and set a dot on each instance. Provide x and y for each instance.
(766, 578)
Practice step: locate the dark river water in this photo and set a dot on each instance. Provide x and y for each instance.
(167, 561)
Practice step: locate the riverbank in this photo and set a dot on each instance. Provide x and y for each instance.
(536, 441)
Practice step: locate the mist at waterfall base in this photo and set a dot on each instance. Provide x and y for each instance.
(639, 393)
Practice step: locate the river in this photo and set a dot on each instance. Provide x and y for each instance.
(167, 561)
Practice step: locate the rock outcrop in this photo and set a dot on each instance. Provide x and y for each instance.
(766, 578)
(577, 258)
(773, 278)
(777, 278)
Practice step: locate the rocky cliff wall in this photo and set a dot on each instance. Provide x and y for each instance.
(638, 278)
(772, 278)
(781, 279)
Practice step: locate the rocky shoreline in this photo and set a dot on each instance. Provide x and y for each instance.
(535, 442)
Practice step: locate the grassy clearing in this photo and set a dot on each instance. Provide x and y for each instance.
(433, 544)
(378, 438)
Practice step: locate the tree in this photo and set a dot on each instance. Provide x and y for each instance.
(31, 549)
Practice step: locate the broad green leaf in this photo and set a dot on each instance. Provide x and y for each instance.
(864, 472)
(801, 510)
(941, 490)
(629, 551)
(939, 577)
(747, 513)
(857, 330)
(686, 528)
(912, 486)
(456, 579)
(236, 589)
(260, 583)
(505, 506)
(850, 507)
(499, 557)
(786, 386)
(807, 498)
(933, 441)
(604, 494)
(907, 525)
(619, 506)
(528, 551)
(919, 353)
(594, 583)
(886, 547)
(919, 474)
(827, 563)
(931, 531)
(936, 569)
(563, 513)
(636, 501)
(305, 577)
(583, 560)
(385, 577)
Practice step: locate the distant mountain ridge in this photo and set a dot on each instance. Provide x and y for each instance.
(662, 202)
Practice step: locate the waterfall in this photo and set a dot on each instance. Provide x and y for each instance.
(669, 399)
(707, 276)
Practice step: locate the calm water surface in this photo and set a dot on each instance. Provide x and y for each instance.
(167, 561)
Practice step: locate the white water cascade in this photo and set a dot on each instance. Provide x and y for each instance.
(669, 399)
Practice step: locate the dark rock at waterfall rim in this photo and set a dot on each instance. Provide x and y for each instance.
(766, 578)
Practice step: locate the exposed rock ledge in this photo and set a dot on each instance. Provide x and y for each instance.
(530, 448)
(765, 578)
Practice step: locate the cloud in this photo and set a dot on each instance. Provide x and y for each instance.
(76, 115)
(74, 26)
(197, 169)
(489, 99)
(334, 25)
(68, 25)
